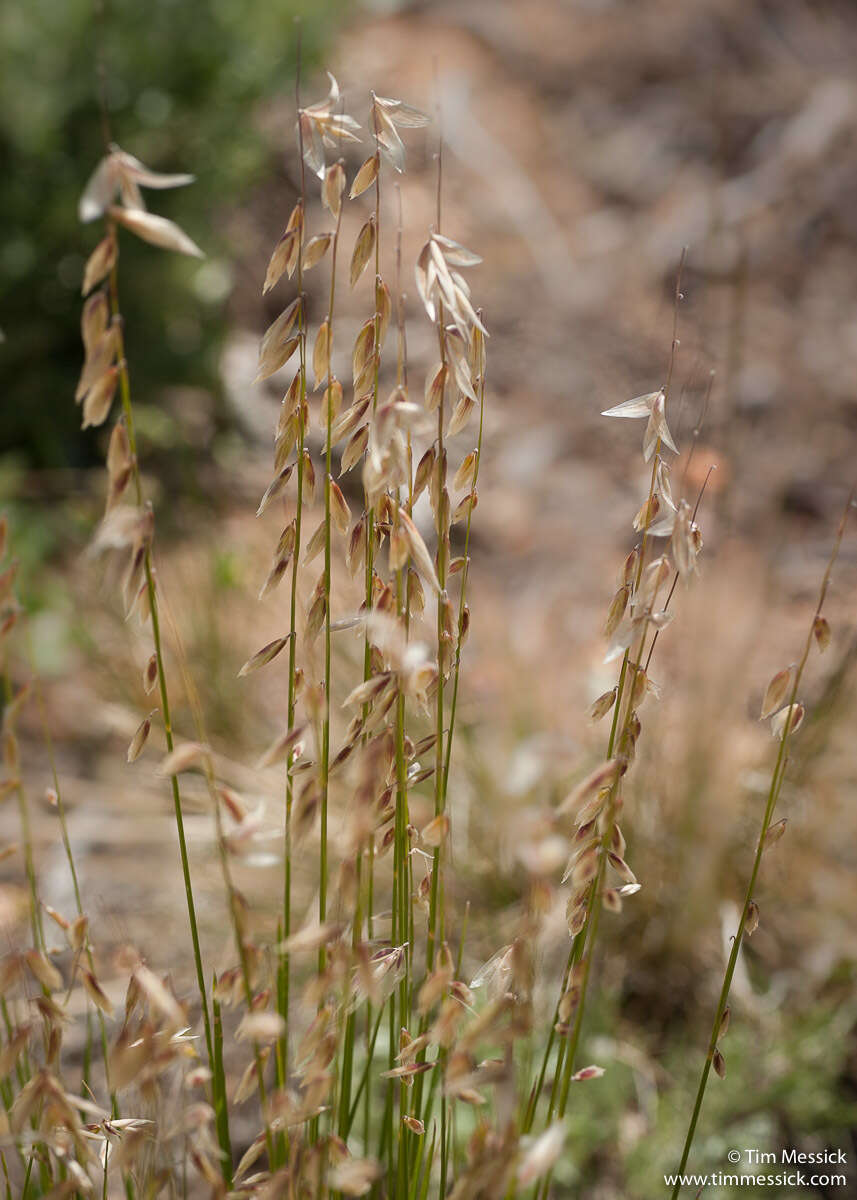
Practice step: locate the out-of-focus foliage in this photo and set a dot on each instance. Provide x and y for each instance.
(183, 80)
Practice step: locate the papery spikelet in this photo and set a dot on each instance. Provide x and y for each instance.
(262, 657)
(542, 1155)
(365, 177)
(150, 675)
(603, 704)
(776, 692)
(339, 511)
(363, 247)
(787, 721)
(100, 263)
(138, 741)
(183, 758)
(821, 633)
(591, 1072)
(332, 188)
(281, 258)
(156, 230)
(275, 488)
(321, 354)
(774, 832)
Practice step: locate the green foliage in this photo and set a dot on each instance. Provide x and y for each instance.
(183, 82)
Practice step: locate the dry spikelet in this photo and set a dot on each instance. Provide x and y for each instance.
(94, 319)
(465, 474)
(332, 188)
(435, 385)
(281, 258)
(275, 357)
(362, 353)
(99, 399)
(262, 657)
(99, 358)
(78, 933)
(647, 513)
(622, 868)
(542, 1155)
(315, 250)
(158, 231)
(724, 1022)
(719, 1064)
(183, 758)
(354, 450)
(95, 992)
(138, 741)
(465, 507)
(616, 610)
(355, 1176)
(591, 789)
(275, 574)
(751, 920)
(281, 747)
(275, 488)
(16, 1042)
(100, 263)
(121, 174)
(57, 917)
(788, 720)
(419, 552)
(591, 1072)
(774, 832)
(383, 307)
(365, 177)
(363, 247)
(315, 543)
(321, 354)
(311, 938)
(316, 613)
(339, 510)
(150, 675)
(260, 1027)
(776, 692)
(821, 633)
(276, 347)
(603, 704)
(309, 477)
(355, 555)
(684, 543)
(43, 970)
(460, 416)
(247, 1085)
(348, 421)
(437, 830)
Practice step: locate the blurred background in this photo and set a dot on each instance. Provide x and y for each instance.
(587, 143)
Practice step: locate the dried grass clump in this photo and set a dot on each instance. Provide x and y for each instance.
(368, 1064)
